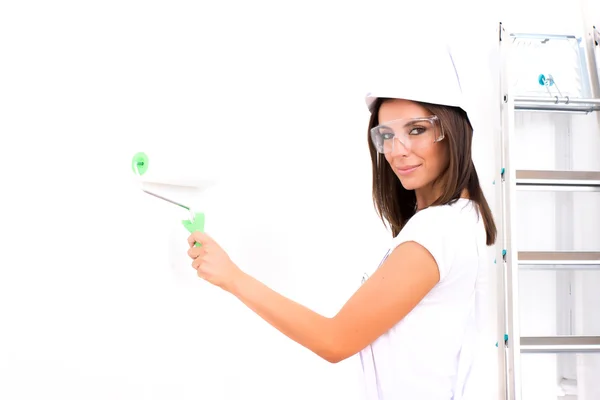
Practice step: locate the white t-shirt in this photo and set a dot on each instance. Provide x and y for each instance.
(428, 355)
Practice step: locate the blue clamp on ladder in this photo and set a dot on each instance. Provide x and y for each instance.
(505, 340)
(548, 81)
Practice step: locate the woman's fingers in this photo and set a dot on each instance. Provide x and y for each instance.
(195, 252)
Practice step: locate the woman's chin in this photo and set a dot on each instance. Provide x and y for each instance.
(409, 183)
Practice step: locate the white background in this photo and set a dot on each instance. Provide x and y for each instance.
(97, 296)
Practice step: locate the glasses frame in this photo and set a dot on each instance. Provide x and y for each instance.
(433, 119)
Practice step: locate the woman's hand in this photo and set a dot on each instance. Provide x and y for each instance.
(211, 262)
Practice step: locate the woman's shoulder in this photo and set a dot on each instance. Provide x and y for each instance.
(443, 230)
(447, 219)
(460, 208)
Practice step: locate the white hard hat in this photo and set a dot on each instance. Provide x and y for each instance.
(417, 71)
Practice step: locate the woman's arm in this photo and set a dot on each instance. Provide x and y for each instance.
(297, 322)
(397, 286)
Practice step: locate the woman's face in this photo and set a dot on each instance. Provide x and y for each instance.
(417, 153)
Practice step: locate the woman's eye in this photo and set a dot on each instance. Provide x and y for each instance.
(417, 130)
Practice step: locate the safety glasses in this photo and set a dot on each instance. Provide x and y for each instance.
(412, 133)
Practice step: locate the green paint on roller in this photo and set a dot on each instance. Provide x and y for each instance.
(196, 226)
(141, 161)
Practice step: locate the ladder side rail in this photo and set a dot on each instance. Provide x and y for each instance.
(511, 262)
(509, 239)
(590, 47)
(503, 375)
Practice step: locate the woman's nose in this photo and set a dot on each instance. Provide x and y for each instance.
(399, 148)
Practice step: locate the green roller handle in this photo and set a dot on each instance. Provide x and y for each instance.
(196, 226)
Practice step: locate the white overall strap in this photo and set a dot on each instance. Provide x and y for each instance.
(369, 372)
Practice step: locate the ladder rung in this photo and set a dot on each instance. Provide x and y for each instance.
(557, 108)
(540, 179)
(556, 103)
(555, 100)
(559, 258)
(560, 344)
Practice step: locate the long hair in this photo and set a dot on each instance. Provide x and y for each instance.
(395, 205)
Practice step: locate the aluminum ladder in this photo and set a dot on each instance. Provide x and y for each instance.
(511, 180)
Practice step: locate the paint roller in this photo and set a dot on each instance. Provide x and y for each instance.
(139, 166)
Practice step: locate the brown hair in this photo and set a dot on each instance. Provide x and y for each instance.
(396, 205)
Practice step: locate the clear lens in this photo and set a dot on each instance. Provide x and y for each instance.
(412, 133)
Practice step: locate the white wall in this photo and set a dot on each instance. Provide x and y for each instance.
(97, 299)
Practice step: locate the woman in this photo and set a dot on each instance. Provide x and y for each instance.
(413, 320)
